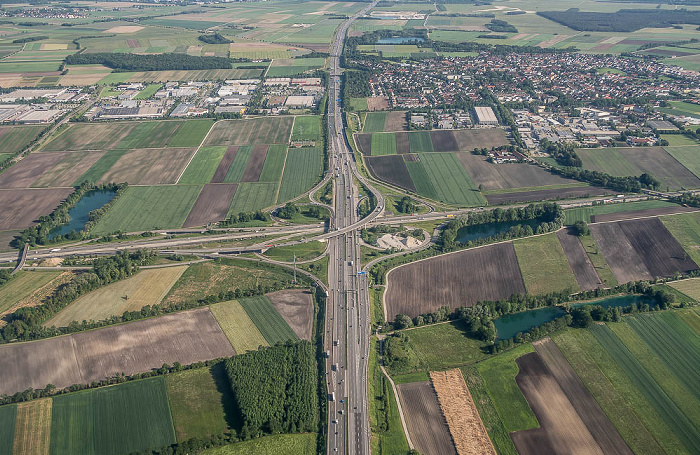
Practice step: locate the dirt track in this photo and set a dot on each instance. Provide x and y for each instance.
(581, 265)
(297, 308)
(467, 429)
(425, 422)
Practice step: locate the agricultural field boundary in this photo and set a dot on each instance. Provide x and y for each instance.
(398, 404)
(182, 172)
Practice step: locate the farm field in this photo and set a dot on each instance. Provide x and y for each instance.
(303, 251)
(424, 141)
(508, 176)
(112, 420)
(19, 208)
(253, 196)
(544, 265)
(268, 320)
(15, 138)
(7, 428)
(450, 182)
(689, 287)
(148, 287)
(149, 166)
(203, 166)
(424, 419)
(185, 337)
(22, 286)
(486, 273)
(686, 229)
(687, 156)
(267, 130)
(33, 427)
(212, 204)
(237, 326)
(555, 193)
(392, 169)
(584, 271)
(296, 306)
(618, 210)
(291, 444)
(301, 170)
(197, 402)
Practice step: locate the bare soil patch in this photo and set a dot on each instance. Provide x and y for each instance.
(377, 103)
(20, 208)
(392, 169)
(505, 176)
(402, 143)
(646, 213)
(542, 195)
(624, 261)
(364, 143)
(600, 427)
(467, 140)
(425, 422)
(561, 428)
(661, 165)
(124, 29)
(68, 170)
(255, 164)
(444, 141)
(456, 279)
(24, 173)
(395, 121)
(140, 346)
(580, 264)
(467, 429)
(149, 166)
(211, 205)
(296, 306)
(224, 164)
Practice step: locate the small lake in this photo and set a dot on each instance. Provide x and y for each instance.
(80, 213)
(482, 231)
(400, 40)
(511, 324)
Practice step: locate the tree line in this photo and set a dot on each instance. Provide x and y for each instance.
(624, 20)
(152, 62)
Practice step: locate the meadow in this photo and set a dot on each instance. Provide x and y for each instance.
(543, 264)
(22, 286)
(16, 138)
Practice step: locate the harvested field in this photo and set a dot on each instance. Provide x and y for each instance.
(426, 424)
(377, 103)
(97, 136)
(255, 164)
(506, 176)
(403, 144)
(211, 205)
(28, 288)
(561, 428)
(588, 409)
(296, 306)
(646, 213)
(24, 173)
(444, 141)
(580, 264)
(148, 287)
(185, 337)
(149, 166)
(395, 121)
(468, 140)
(20, 208)
(238, 327)
(541, 195)
(689, 287)
(624, 261)
(33, 427)
(467, 429)
(224, 164)
(68, 170)
(456, 279)
(266, 130)
(391, 169)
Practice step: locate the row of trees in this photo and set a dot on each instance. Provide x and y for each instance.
(245, 217)
(151, 62)
(564, 153)
(275, 389)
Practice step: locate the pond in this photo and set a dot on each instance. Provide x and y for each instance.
(511, 324)
(482, 231)
(400, 40)
(80, 213)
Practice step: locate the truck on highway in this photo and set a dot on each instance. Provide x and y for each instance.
(331, 396)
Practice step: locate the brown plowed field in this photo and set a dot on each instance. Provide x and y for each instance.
(364, 143)
(255, 164)
(19, 209)
(426, 424)
(467, 140)
(264, 130)
(600, 427)
(212, 204)
(561, 429)
(68, 170)
(140, 346)
(297, 308)
(659, 163)
(24, 173)
(647, 213)
(444, 141)
(224, 164)
(149, 166)
(456, 279)
(625, 263)
(395, 121)
(402, 143)
(541, 195)
(377, 103)
(580, 264)
(506, 176)
(467, 429)
(660, 251)
(93, 136)
(392, 169)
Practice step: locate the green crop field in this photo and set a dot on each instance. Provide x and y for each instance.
(681, 108)
(281, 444)
(101, 166)
(374, 122)
(22, 285)
(112, 420)
(688, 156)
(235, 172)
(303, 251)
(419, 141)
(196, 402)
(451, 182)
(358, 104)
(421, 179)
(8, 414)
(16, 138)
(148, 92)
(191, 133)
(633, 416)
(250, 197)
(499, 374)
(544, 265)
(677, 140)
(691, 317)
(202, 167)
(598, 260)
(607, 160)
(274, 163)
(302, 169)
(307, 127)
(585, 213)
(266, 318)
(685, 227)
(383, 144)
(151, 135)
(238, 327)
(142, 208)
